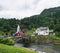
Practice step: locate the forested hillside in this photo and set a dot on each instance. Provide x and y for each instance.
(8, 25)
(49, 17)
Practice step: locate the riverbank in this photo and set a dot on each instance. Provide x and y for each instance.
(50, 39)
(36, 50)
(43, 48)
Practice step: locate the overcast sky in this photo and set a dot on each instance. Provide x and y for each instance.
(25, 8)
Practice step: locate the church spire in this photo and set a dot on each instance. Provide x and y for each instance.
(18, 29)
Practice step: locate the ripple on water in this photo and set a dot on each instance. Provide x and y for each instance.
(48, 48)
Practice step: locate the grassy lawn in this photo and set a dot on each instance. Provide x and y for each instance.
(13, 49)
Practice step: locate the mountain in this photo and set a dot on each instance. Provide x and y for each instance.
(49, 17)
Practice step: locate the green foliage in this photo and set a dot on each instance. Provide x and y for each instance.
(7, 41)
(6, 28)
(7, 25)
(45, 37)
(58, 34)
(1, 33)
(12, 49)
(57, 27)
(48, 18)
(31, 31)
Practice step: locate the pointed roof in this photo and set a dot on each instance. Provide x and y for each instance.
(19, 32)
(18, 29)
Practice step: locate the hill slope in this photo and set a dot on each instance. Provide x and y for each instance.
(49, 17)
(12, 49)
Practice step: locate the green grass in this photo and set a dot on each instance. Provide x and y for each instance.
(13, 49)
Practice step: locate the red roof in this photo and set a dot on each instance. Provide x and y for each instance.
(19, 33)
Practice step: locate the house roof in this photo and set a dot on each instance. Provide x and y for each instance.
(19, 33)
(42, 28)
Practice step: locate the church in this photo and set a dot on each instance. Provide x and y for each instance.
(19, 32)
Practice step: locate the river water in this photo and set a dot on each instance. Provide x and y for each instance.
(48, 48)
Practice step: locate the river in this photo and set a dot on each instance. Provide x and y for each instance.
(47, 48)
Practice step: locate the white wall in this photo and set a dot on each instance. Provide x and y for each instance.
(44, 32)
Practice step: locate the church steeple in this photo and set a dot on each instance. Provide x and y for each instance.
(18, 29)
(19, 32)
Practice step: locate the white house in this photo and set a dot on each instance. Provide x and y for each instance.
(43, 31)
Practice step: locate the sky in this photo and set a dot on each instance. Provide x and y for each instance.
(24, 8)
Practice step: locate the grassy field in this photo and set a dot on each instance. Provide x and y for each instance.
(13, 49)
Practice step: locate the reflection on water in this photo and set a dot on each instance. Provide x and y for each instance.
(48, 48)
(18, 44)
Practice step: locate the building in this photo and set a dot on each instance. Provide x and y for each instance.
(19, 31)
(43, 31)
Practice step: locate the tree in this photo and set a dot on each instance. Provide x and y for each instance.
(6, 27)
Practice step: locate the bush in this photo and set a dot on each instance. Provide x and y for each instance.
(58, 34)
(7, 41)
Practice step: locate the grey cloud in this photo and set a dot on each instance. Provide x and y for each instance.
(36, 1)
(1, 8)
(20, 8)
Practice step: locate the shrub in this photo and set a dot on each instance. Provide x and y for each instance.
(7, 41)
(58, 34)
